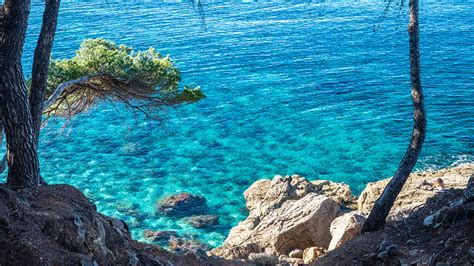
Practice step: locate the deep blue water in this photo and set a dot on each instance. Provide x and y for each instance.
(307, 88)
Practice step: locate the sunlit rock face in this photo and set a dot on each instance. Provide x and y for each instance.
(418, 188)
(285, 214)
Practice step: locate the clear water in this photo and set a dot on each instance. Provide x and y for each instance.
(305, 88)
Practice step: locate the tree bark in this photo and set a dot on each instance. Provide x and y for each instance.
(22, 157)
(41, 65)
(381, 209)
(3, 162)
(46, 104)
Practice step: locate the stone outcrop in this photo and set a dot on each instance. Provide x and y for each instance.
(417, 189)
(58, 225)
(296, 224)
(285, 214)
(265, 195)
(231, 252)
(339, 192)
(345, 228)
(296, 220)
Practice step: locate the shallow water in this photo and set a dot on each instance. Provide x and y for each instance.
(307, 88)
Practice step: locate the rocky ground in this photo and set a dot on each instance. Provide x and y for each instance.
(292, 221)
(58, 225)
(410, 242)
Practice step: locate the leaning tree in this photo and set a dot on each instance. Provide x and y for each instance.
(144, 82)
(384, 203)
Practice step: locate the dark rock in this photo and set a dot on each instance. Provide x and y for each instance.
(387, 242)
(176, 244)
(158, 236)
(182, 204)
(202, 221)
(126, 207)
(184, 246)
(382, 255)
(262, 259)
(392, 250)
(470, 255)
(469, 191)
(58, 225)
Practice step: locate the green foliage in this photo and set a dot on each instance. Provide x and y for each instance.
(144, 69)
(190, 95)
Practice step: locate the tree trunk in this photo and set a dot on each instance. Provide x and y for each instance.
(22, 157)
(3, 161)
(41, 64)
(381, 209)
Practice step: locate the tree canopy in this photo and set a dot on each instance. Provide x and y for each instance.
(103, 70)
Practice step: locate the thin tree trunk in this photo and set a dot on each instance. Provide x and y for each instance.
(46, 104)
(23, 165)
(3, 162)
(41, 64)
(379, 213)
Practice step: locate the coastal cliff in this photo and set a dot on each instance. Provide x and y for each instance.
(58, 225)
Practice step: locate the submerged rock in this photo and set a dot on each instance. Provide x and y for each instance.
(159, 236)
(202, 221)
(182, 204)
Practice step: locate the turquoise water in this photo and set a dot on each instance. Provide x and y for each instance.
(307, 88)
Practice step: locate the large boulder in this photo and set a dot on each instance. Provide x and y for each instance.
(296, 224)
(285, 213)
(255, 195)
(345, 228)
(264, 195)
(417, 189)
(182, 204)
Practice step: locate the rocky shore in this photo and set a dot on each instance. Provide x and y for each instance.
(294, 221)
